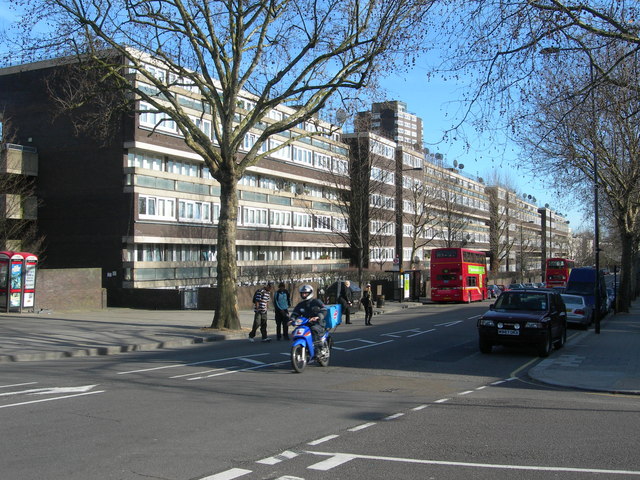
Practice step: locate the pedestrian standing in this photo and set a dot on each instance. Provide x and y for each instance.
(261, 300)
(281, 304)
(346, 300)
(367, 303)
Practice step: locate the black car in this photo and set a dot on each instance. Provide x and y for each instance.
(532, 316)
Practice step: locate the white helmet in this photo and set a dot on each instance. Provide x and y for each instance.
(306, 291)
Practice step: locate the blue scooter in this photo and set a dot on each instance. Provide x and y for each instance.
(302, 349)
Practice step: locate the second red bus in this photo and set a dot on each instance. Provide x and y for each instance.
(458, 275)
(557, 272)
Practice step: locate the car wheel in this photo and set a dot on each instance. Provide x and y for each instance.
(545, 346)
(563, 338)
(485, 347)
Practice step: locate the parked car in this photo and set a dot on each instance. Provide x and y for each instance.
(515, 286)
(530, 285)
(503, 288)
(578, 312)
(494, 291)
(541, 285)
(559, 289)
(533, 316)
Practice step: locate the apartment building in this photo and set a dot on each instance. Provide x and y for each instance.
(392, 120)
(144, 208)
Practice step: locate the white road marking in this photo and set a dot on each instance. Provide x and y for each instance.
(449, 324)
(361, 427)
(228, 475)
(323, 439)
(176, 365)
(50, 390)
(286, 455)
(334, 461)
(466, 393)
(246, 369)
(394, 416)
(419, 407)
(442, 400)
(368, 345)
(482, 387)
(51, 399)
(251, 360)
(340, 458)
(202, 372)
(420, 333)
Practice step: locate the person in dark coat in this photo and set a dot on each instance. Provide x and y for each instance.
(367, 303)
(346, 300)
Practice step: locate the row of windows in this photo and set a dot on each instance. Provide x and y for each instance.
(162, 208)
(155, 252)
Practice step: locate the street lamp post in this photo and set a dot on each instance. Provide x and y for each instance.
(596, 229)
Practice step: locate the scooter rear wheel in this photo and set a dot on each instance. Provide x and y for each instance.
(299, 358)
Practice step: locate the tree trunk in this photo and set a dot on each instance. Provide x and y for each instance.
(226, 314)
(626, 266)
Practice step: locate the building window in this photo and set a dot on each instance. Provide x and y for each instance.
(255, 216)
(194, 211)
(156, 208)
(302, 221)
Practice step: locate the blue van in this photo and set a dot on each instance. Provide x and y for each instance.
(582, 281)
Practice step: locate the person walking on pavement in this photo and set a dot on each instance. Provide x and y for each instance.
(367, 303)
(346, 300)
(281, 304)
(260, 306)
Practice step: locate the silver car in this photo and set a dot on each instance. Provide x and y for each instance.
(578, 312)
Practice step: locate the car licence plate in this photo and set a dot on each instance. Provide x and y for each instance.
(508, 332)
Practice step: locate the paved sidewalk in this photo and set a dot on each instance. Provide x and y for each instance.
(607, 362)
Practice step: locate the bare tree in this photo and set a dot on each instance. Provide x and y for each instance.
(298, 53)
(573, 132)
(18, 202)
(368, 202)
(423, 216)
(596, 42)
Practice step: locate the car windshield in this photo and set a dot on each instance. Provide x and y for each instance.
(522, 301)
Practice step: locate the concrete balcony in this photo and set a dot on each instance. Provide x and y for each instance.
(19, 160)
(18, 207)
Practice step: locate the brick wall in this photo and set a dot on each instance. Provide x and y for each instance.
(69, 289)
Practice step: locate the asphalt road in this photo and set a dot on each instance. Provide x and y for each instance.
(410, 397)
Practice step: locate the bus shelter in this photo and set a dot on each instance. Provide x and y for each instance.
(17, 281)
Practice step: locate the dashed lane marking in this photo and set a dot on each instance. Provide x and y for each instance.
(322, 440)
(204, 362)
(362, 427)
(394, 416)
(286, 455)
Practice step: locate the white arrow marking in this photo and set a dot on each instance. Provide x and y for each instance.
(51, 390)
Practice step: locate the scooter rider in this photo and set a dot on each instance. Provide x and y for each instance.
(313, 309)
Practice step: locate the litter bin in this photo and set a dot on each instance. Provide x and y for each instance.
(380, 301)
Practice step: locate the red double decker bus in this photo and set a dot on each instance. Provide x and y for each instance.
(458, 275)
(557, 271)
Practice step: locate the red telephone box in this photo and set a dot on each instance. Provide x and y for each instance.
(17, 280)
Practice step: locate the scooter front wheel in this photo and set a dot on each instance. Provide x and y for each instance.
(298, 358)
